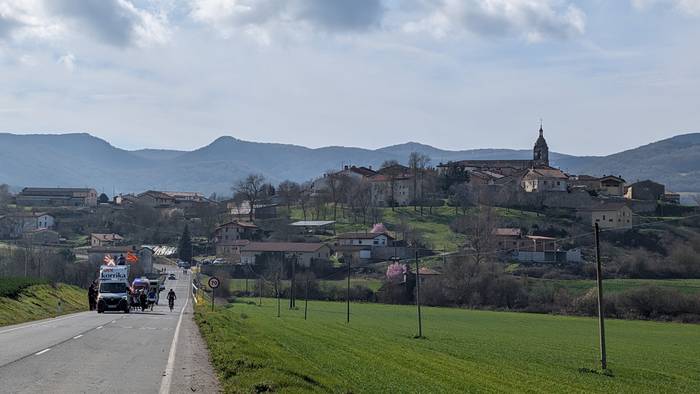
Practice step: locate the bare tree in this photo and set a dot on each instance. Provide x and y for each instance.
(4, 196)
(464, 267)
(361, 197)
(417, 162)
(305, 197)
(461, 197)
(252, 189)
(289, 192)
(338, 185)
(388, 163)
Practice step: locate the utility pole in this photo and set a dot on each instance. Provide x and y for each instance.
(601, 312)
(292, 295)
(348, 295)
(420, 319)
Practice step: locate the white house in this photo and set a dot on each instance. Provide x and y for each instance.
(364, 239)
(545, 180)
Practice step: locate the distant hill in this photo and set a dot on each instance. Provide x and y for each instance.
(83, 160)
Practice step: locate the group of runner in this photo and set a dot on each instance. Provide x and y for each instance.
(143, 298)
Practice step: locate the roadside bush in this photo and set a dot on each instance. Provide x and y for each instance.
(432, 294)
(650, 302)
(636, 238)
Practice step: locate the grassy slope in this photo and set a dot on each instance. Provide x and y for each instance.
(40, 301)
(464, 351)
(435, 226)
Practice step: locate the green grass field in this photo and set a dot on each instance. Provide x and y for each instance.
(611, 286)
(40, 302)
(464, 351)
(373, 284)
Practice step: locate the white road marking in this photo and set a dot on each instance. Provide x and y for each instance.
(99, 328)
(77, 336)
(167, 376)
(42, 352)
(46, 323)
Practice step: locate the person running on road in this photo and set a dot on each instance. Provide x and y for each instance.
(143, 299)
(171, 299)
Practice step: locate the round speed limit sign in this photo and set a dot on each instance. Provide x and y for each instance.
(213, 282)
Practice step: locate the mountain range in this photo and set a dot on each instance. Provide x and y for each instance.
(82, 160)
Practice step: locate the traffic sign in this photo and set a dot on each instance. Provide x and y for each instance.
(213, 282)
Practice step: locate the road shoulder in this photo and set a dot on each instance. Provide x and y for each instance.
(193, 371)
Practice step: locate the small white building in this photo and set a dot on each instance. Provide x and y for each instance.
(364, 239)
(15, 224)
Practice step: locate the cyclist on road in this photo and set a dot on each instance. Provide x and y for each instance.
(171, 299)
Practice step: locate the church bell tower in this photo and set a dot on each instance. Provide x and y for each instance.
(541, 151)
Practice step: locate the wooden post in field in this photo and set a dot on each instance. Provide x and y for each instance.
(601, 312)
(348, 295)
(277, 292)
(306, 298)
(420, 319)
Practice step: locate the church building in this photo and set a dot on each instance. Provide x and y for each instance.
(540, 159)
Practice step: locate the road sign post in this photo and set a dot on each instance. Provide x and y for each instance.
(214, 284)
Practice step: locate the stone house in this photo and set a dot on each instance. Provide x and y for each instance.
(608, 215)
(611, 185)
(156, 199)
(105, 239)
(231, 236)
(645, 190)
(57, 197)
(545, 180)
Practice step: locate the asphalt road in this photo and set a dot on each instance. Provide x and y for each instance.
(87, 352)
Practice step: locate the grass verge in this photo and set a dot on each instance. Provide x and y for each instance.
(464, 351)
(40, 302)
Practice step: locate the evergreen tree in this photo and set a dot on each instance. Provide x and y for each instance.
(185, 245)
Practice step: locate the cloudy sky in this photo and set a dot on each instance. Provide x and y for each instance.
(457, 74)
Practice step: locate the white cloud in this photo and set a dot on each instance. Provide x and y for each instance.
(115, 22)
(688, 7)
(68, 61)
(258, 18)
(533, 20)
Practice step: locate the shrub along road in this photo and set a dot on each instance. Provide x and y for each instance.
(464, 350)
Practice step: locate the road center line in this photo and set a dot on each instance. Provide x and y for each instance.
(42, 352)
(167, 376)
(77, 336)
